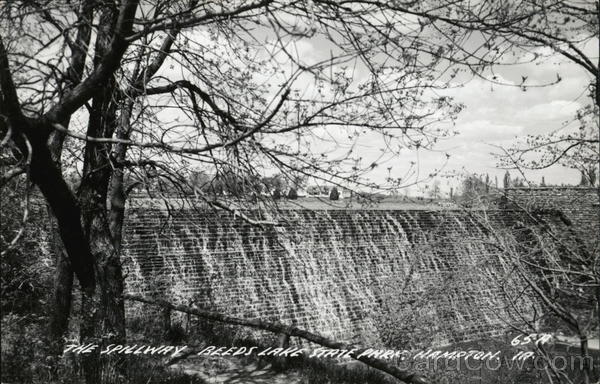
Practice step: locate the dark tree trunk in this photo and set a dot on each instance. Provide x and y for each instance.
(585, 354)
(105, 314)
(61, 300)
(107, 326)
(117, 188)
(48, 178)
(63, 279)
(60, 309)
(166, 323)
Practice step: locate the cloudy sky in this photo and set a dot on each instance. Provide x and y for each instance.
(500, 116)
(494, 116)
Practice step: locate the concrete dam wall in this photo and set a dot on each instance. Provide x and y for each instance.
(367, 276)
(580, 205)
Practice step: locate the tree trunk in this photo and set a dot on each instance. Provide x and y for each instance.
(107, 325)
(61, 303)
(598, 312)
(60, 309)
(117, 188)
(583, 340)
(281, 362)
(166, 323)
(48, 178)
(104, 313)
(63, 280)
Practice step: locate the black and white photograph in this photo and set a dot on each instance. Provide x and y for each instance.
(300, 191)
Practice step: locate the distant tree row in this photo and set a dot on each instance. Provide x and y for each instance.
(474, 187)
(276, 186)
(588, 178)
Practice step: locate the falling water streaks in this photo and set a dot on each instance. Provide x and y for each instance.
(329, 271)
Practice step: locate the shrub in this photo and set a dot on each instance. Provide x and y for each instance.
(292, 194)
(25, 269)
(334, 194)
(276, 194)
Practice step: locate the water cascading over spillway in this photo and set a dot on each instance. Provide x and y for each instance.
(354, 275)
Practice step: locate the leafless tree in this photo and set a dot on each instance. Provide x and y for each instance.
(129, 93)
(557, 276)
(133, 94)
